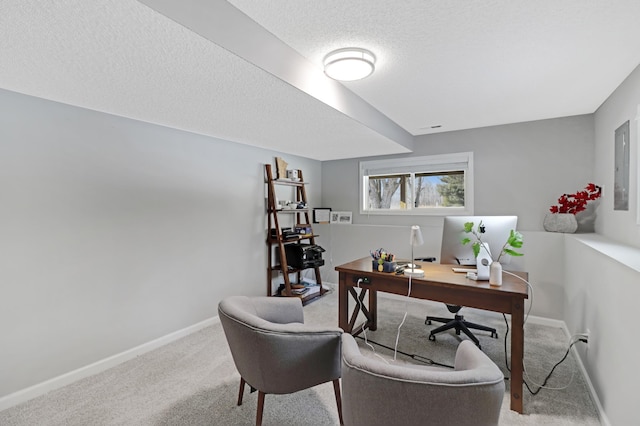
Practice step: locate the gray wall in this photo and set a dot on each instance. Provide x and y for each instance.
(115, 232)
(519, 169)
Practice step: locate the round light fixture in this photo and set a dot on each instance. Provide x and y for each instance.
(349, 64)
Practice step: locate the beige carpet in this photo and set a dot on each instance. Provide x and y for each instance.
(193, 381)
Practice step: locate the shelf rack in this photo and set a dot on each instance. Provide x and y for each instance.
(278, 240)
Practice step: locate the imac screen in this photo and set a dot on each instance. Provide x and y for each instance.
(497, 230)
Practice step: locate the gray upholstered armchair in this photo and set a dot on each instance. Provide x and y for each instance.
(377, 393)
(275, 352)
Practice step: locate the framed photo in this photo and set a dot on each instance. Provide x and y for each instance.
(322, 215)
(342, 218)
(621, 168)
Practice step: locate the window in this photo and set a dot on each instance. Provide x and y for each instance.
(433, 185)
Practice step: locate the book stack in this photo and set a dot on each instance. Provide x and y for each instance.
(299, 291)
(302, 289)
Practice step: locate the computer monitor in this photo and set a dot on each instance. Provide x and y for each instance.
(497, 230)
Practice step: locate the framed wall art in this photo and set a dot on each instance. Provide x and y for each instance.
(621, 168)
(321, 215)
(341, 218)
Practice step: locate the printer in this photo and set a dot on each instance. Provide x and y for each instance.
(302, 256)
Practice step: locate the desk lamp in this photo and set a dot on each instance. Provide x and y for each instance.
(415, 239)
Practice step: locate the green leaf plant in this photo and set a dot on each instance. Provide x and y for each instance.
(513, 242)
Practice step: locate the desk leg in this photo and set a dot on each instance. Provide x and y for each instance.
(517, 353)
(373, 310)
(343, 303)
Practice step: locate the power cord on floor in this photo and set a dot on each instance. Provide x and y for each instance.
(406, 311)
(580, 338)
(573, 340)
(417, 357)
(395, 347)
(363, 329)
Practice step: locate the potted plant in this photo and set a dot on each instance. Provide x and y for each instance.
(563, 216)
(514, 241)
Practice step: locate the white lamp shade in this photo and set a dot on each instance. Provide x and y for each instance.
(416, 236)
(349, 64)
(415, 239)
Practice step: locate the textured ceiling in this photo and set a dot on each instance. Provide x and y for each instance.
(469, 63)
(458, 64)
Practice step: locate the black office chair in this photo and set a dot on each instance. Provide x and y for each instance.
(460, 324)
(452, 251)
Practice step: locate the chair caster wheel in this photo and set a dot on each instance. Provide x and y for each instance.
(427, 322)
(494, 335)
(432, 337)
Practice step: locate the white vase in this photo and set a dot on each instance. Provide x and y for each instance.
(495, 273)
(560, 222)
(586, 219)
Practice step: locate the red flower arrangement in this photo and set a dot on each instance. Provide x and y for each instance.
(574, 203)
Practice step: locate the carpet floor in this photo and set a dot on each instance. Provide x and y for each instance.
(193, 381)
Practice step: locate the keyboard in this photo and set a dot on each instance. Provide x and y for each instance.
(464, 270)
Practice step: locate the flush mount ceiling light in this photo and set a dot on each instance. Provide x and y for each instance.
(349, 64)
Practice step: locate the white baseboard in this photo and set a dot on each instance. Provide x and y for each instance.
(549, 322)
(99, 366)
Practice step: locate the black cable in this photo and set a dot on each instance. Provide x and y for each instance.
(551, 372)
(413, 356)
(546, 379)
(429, 361)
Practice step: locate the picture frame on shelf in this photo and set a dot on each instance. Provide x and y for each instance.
(341, 218)
(322, 215)
(281, 168)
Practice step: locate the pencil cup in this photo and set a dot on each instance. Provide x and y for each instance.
(386, 266)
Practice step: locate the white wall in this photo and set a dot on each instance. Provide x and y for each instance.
(115, 232)
(603, 272)
(602, 296)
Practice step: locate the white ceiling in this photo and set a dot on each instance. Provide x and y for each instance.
(204, 67)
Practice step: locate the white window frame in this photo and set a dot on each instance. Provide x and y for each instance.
(462, 161)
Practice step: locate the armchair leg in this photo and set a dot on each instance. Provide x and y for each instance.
(241, 393)
(260, 408)
(336, 390)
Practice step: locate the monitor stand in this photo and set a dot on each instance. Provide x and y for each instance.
(482, 264)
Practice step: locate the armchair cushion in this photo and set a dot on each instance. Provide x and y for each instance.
(272, 348)
(377, 393)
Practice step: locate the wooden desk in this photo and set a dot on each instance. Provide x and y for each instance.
(441, 284)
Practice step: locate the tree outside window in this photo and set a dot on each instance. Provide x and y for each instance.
(422, 185)
(432, 190)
